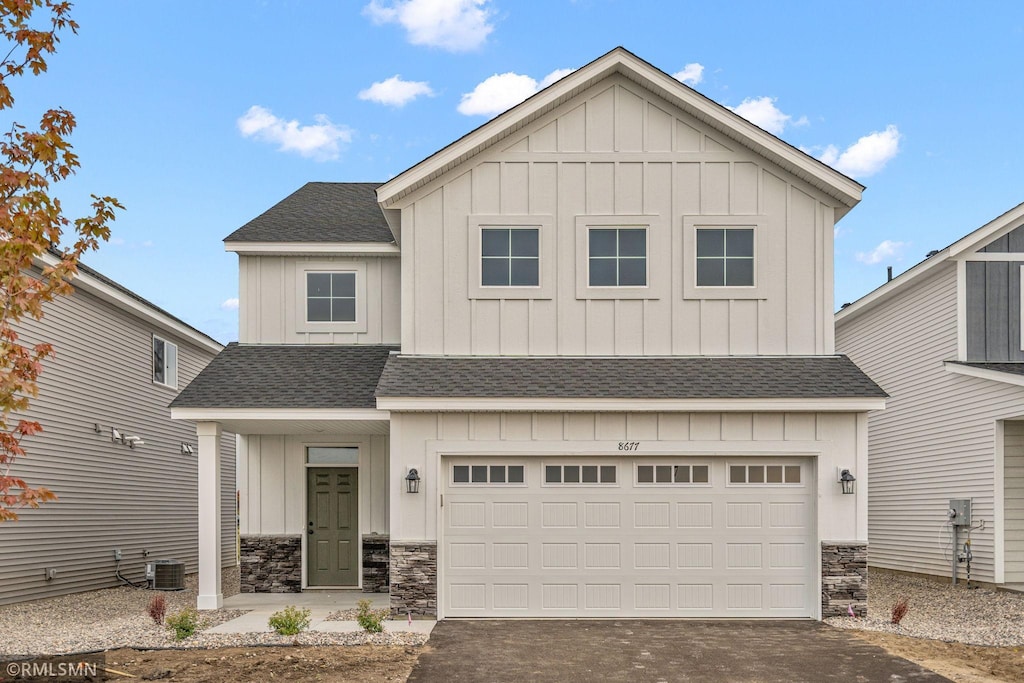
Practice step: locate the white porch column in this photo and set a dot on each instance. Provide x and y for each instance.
(210, 594)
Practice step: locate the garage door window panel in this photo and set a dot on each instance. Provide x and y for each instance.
(673, 474)
(764, 475)
(476, 475)
(579, 475)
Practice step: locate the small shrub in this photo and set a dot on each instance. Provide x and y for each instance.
(371, 620)
(184, 623)
(290, 621)
(899, 610)
(157, 609)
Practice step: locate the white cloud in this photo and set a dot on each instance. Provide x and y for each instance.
(230, 304)
(887, 249)
(453, 25)
(395, 92)
(762, 112)
(692, 74)
(504, 91)
(867, 156)
(321, 140)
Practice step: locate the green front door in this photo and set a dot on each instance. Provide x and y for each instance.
(332, 548)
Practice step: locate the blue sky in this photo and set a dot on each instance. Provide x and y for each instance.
(198, 116)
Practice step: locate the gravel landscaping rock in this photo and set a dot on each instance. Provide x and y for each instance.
(941, 611)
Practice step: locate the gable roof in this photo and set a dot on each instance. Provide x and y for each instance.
(845, 190)
(321, 212)
(682, 377)
(970, 242)
(288, 376)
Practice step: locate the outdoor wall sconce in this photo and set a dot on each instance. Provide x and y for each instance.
(412, 481)
(847, 480)
(187, 449)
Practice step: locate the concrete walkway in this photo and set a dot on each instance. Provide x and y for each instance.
(320, 603)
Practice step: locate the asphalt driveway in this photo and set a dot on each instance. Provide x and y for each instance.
(662, 650)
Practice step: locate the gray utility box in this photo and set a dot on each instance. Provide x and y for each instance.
(960, 511)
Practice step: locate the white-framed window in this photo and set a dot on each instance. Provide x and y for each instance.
(165, 363)
(673, 474)
(511, 256)
(579, 474)
(475, 475)
(758, 474)
(330, 297)
(332, 455)
(725, 257)
(622, 257)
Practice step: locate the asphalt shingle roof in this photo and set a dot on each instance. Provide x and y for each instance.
(288, 376)
(689, 377)
(320, 212)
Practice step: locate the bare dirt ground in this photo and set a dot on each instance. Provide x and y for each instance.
(337, 664)
(956, 661)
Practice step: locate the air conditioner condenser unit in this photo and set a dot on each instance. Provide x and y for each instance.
(165, 575)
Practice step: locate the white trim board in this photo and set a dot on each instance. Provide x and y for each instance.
(317, 248)
(303, 414)
(984, 373)
(587, 405)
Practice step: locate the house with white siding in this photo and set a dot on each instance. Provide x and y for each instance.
(944, 339)
(124, 472)
(579, 363)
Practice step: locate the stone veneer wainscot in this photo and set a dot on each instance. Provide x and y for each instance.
(844, 579)
(375, 563)
(271, 564)
(414, 577)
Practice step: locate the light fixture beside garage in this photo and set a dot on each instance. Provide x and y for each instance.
(847, 480)
(412, 481)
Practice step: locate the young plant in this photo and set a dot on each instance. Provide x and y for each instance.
(371, 620)
(157, 609)
(899, 610)
(184, 623)
(290, 621)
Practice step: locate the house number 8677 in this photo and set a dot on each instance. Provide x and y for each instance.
(629, 445)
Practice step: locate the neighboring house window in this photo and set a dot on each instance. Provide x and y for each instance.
(579, 474)
(672, 474)
(331, 297)
(617, 257)
(165, 363)
(488, 474)
(510, 257)
(725, 257)
(764, 474)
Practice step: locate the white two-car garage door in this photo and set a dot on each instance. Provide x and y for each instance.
(610, 537)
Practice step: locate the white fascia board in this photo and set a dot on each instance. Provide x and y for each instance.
(962, 249)
(984, 373)
(588, 405)
(116, 297)
(845, 190)
(298, 414)
(302, 248)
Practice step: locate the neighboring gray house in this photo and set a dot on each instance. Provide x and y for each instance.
(578, 363)
(944, 339)
(119, 362)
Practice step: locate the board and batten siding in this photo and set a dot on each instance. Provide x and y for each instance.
(109, 496)
(993, 310)
(936, 439)
(272, 306)
(420, 439)
(272, 482)
(617, 149)
(1013, 500)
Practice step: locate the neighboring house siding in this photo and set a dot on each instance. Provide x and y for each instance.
(1013, 502)
(272, 306)
(109, 496)
(617, 150)
(993, 310)
(936, 438)
(272, 480)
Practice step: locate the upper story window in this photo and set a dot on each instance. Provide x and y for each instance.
(330, 297)
(165, 363)
(510, 257)
(617, 257)
(725, 257)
